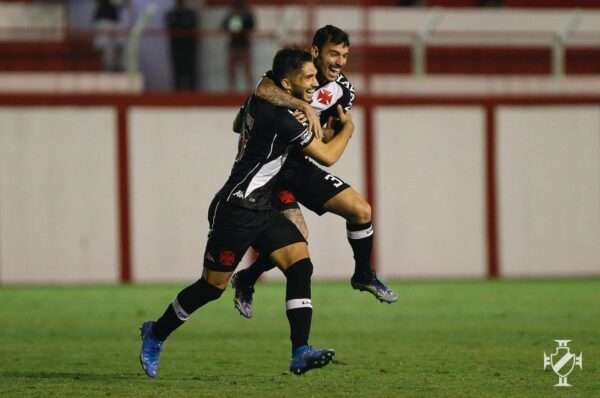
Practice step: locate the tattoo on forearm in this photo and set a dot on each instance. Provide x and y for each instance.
(270, 92)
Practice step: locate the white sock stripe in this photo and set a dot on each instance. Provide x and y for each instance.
(179, 311)
(363, 233)
(298, 303)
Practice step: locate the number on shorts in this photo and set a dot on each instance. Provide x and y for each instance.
(336, 181)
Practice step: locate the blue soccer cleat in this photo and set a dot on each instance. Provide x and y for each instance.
(306, 358)
(151, 348)
(242, 299)
(371, 284)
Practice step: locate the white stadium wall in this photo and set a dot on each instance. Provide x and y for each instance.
(549, 190)
(58, 219)
(179, 159)
(430, 192)
(78, 203)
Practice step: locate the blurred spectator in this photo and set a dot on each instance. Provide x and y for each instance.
(239, 23)
(108, 38)
(182, 22)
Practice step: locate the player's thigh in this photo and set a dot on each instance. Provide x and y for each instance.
(282, 241)
(232, 231)
(351, 205)
(297, 218)
(314, 187)
(285, 202)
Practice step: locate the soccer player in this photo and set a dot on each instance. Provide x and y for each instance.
(241, 216)
(301, 180)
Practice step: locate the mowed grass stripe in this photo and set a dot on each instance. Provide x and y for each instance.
(442, 339)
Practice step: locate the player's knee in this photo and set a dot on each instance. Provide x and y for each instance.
(290, 254)
(216, 279)
(303, 269)
(213, 291)
(298, 279)
(361, 212)
(219, 285)
(194, 296)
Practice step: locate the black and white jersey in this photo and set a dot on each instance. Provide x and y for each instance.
(326, 99)
(268, 134)
(331, 94)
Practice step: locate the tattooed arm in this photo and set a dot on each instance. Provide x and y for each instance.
(269, 91)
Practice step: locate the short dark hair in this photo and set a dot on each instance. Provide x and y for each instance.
(287, 61)
(330, 34)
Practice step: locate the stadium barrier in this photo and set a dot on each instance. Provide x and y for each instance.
(102, 188)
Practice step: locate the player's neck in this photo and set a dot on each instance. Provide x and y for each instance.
(322, 80)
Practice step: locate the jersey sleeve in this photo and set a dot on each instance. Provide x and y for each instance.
(239, 118)
(267, 75)
(293, 131)
(348, 93)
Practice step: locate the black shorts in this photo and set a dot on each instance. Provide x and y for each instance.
(303, 181)
(234, 229)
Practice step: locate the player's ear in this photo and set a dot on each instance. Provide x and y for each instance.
(286, 84)
(314, 51)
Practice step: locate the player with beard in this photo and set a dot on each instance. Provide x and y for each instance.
(241, 215)
(303, 181)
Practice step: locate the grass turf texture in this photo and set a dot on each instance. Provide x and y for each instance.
(442, 339)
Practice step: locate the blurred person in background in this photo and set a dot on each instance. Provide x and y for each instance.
(182, 23)
(109, 39)
(239, 23)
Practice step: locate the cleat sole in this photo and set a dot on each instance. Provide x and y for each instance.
(237, 306)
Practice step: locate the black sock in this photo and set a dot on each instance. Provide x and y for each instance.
(360, 237)
(298, 302)
(187, 301)
(250, 275)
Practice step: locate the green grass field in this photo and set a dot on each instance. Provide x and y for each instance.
(442, 339)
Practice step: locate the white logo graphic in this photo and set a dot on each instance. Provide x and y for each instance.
(563, 362)
(306, 136)
(239, 194)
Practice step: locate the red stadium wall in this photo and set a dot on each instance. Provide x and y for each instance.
(474, 60)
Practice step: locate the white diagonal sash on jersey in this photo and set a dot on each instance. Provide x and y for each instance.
(265, 173)
(241, 182)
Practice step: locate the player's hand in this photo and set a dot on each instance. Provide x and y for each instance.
(314, 124)
(328, 134)
(344, 116)
(300, 116)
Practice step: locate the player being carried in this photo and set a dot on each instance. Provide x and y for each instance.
(301, 180)
(241, 215)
